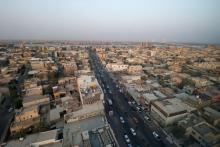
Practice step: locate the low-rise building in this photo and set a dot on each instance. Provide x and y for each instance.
(116, 67)
(149, 98)
(212, 116)
(134, 69)
(205, 134)
(168, 111)
(24, 119)
(35, 100)
(52, 138)
(38, 90)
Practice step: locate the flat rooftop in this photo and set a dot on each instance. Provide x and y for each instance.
(27, 99)
(170, 106)
(98, 106)
(150, 96)
(92, 132)
(34, 138)
(72, 133)
(205, 129)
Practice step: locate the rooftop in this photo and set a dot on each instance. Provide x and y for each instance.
(27, 99)
(94, 107)
(171, 106)
(92, 132)
(150, 96)
(205, 129)
(50, 136)
(190, 121)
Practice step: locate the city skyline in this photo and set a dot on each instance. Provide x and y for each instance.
(171, 21)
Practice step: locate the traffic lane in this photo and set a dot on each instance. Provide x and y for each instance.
(126, 127)
(119, 133)
(139, 138)
(130, 115)
(5, 115)
(142, 124)
(115, 122)
(114, 89)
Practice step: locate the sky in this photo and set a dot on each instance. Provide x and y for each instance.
(111, 20)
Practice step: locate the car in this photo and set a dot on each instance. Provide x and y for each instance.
(110, 102)
(138, 108)
(133, 102)
(129, 102)
(156, 136)
(21, 138)
(127, 138)
(110, 91)
(146, 118)
(122, 119)
(133, 132)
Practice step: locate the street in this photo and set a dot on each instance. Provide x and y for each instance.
(5, 119)
(133, 119)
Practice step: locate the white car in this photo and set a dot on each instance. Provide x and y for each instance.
(126, 138)
(122, 119)
(133, 131)
(138, 108)
(156, 135)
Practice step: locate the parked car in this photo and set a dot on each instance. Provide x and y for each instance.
(156, 136)
(147, 118)
(133, 131)
(122, 119)
(126, 138)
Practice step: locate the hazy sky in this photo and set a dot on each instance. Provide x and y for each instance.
(137, 20)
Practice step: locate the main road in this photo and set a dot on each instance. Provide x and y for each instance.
(121, 107)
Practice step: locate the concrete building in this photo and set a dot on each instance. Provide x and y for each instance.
(212, 116)
(89, 89)
(205, 134)
(135, 69)
(52, 138)
(116, 67)
(35, 100)
(149, 98)
(90, 132)
(28, 117)
(38, 90)
(168, 111)
(27, 113)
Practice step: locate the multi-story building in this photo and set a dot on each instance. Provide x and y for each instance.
(168, 111)
(26, 118)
